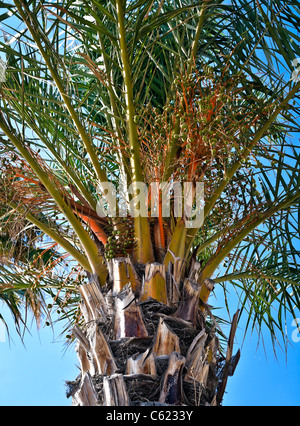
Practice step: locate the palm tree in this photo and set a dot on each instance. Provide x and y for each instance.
(103, 95)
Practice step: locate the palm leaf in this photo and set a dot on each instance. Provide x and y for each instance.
(68, 105)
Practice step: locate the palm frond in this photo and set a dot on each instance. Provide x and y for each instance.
(64, 109)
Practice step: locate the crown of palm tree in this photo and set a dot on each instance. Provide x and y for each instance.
(146, 91)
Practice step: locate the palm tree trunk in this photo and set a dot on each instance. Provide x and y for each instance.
(136, 350)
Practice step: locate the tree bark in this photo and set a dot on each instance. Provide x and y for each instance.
(137, 349)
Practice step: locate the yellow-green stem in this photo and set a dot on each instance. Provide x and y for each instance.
(143, 250)
(88, 244)
(253, 275)
(101, 174)
(197, 35)
(174, 146)
(62, 242)
(69, 171)
(212, 265)
(114, 124)
(177, 244)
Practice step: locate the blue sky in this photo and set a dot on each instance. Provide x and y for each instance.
(35, 374)
(260, 382)
(260, 378)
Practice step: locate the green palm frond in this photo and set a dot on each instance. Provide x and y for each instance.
(264, 267)
(64, 103)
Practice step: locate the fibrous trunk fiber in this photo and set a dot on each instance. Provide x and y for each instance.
(146, 340)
